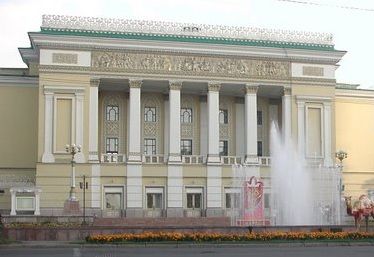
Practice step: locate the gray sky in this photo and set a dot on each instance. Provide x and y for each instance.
(352, 28)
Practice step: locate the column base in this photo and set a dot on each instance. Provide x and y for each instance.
(48, 158)
(71, 207)
(213, 159)
(174, 212)
(215, 212)
(251, 160)
(134, 158)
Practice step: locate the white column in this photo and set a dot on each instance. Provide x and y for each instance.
(48, 127)
(79, 157)
(94, 121)
(203, 126)
(13, 202)
(286, 115)
(250, 113)
(213, 123)
(327, 133)
(166, 126)
(134, 121)
(37, 201)
(301, 127)
(174, 121)
(239, 128)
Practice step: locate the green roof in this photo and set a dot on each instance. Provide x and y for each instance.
(186, 38)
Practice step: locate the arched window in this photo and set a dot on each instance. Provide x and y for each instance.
(223, 116)
(150, 114)
(112, 113)
(186, 115)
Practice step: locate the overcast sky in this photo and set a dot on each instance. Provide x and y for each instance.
(352, 28)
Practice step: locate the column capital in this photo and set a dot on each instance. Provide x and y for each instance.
(251, 88)
(175, 84)
(287, 91)
(214, 86)
(135, 83)
(94, 82)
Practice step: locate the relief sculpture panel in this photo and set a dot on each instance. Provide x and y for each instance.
(189, 65)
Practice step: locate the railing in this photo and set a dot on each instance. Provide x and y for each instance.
(113, 158)
(230, 160)
(264, 160)
(155, 159)
(193, 159)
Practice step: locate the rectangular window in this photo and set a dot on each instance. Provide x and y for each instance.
(150, 114)
(194, 201)
(149, 146)
(186, 115)
(259, 148)
(154, 200)
(112, 113)
(111, 145)
(259, 118)
(223, 116)
(113, 201)
(223, 148)
(233, 200)
(266, 200)
(186, 147)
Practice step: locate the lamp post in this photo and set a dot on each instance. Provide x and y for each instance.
(340, 155)
(73, 150)
(84, 185)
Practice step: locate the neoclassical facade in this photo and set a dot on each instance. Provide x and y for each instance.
(163, 110)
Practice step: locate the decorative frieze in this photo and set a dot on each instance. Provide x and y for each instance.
(189, 65)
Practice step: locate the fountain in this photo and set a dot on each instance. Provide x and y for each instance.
(301, 193)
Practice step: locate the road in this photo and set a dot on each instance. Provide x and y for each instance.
(255, 251)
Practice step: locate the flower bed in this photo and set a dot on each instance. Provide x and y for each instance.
(215, 237)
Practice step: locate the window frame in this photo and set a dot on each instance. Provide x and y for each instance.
(232, 204)
(225, 116)
(183, 146)
(260, 118)
(153, 114)
(108, 109)
(116, 145)
(260, 153)
(225, 148)
(153, 146)
(188, 119)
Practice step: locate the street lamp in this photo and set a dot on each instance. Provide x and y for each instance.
(73, 150)
(341, 155)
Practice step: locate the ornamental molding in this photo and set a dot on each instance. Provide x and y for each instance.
(183, 29)
(251, 89)
(175, 85)
(94, 82)
(214, 86)
(188, 65)
(287, 91)
(135, 83)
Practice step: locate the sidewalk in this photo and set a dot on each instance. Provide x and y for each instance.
(75, 244)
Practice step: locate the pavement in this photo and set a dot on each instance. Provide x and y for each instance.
(67, 249)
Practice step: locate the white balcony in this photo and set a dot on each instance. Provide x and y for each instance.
(264, 160)
(231, 160)
(113, 158)
(154, 159)
(193, 159)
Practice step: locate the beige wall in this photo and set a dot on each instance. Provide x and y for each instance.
(355, 135)
(18, 126)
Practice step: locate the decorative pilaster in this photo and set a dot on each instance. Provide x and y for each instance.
(94, 121)
(134, 125)
(213, 123)
(327, 134)
(37, 201)
(79, 97)
(286, 115)
(250, 113)
(301, 127)
(174, 121)
(13, 202)
(48, 128)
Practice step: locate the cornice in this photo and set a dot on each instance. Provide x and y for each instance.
(81, 43)
(19, 81)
